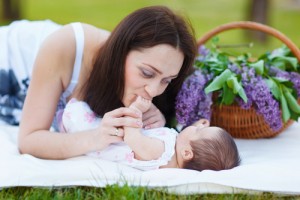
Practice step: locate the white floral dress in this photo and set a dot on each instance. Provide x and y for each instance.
(78, 116)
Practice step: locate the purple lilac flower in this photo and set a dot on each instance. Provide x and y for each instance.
(191, 102)
(234, 68)
(295, 79)
(260, 97)
(203, 109)
(266, 105)
(274, 71)
(203, 53)
(246, 105)
(248, 81)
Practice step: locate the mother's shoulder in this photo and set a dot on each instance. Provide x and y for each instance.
(92, 31)
(94, 37)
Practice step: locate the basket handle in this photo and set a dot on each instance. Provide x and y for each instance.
(254, 26)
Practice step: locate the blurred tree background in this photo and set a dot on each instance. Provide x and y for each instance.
(283, 15)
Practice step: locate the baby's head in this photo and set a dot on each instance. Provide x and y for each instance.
(201, 147)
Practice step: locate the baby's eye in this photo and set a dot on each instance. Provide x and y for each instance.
(147, 73)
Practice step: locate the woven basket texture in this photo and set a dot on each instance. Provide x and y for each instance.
(241, 123)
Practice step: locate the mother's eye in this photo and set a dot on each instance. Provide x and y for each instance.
(147, 73)
(166, 81)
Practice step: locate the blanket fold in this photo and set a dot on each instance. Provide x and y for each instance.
(268, 165)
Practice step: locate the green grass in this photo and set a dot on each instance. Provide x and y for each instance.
(204, 16)
(116, 192)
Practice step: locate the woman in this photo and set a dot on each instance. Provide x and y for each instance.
(148, 54)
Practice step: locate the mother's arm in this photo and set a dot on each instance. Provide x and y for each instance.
(51, 75)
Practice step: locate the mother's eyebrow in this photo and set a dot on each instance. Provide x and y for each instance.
(155, 69)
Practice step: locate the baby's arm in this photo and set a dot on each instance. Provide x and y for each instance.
(144, 147)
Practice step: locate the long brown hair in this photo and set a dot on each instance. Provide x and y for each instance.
(143, 28)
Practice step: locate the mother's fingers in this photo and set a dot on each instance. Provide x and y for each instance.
(119, 132)
(123, 121)
(120, 118)
(123, 111)
(116, 139)
(154, 122)
(153, 118)
(128, 121)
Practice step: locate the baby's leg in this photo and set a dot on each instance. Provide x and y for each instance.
(141, 104)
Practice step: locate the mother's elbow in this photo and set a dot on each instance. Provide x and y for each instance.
(23, 144)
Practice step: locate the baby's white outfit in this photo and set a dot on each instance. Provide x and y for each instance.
(78, 116)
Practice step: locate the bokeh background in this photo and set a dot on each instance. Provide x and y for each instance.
(283, 15)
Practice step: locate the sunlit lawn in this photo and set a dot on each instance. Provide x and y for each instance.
(204, 15)
(113, 192)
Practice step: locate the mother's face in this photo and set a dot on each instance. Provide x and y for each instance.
(149, 71)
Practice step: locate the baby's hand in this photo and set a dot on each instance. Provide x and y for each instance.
(141, 104)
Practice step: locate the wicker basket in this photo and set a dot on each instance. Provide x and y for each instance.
(241, 123)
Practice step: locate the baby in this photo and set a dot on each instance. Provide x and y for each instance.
(197, 147)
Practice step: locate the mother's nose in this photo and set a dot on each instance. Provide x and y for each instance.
(154, 89)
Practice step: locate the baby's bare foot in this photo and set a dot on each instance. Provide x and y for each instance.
(141, 104)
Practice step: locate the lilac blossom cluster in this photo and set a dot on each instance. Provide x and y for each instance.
(260, 97)
(293, 77)
(191, 102)
(203, 53)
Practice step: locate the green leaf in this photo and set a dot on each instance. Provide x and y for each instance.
(280, 64)
(227, 96)
(264, 56)
(243, 95)
(233, 83)
(243, 58)
(273, 87)
(280, 79)
(291, 101)
(237, 87)
(216, 67)
(284, 109)
(294, 116)
(258, 66)
(288, 61)
(215, 39)
(279, 52)
(218, 82)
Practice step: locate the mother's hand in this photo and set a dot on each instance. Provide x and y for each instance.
(112, 123)
(153, 118)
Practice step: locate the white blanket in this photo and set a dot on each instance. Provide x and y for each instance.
(270, 165)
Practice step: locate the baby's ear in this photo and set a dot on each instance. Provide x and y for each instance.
(202, 122)
(187, 154)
